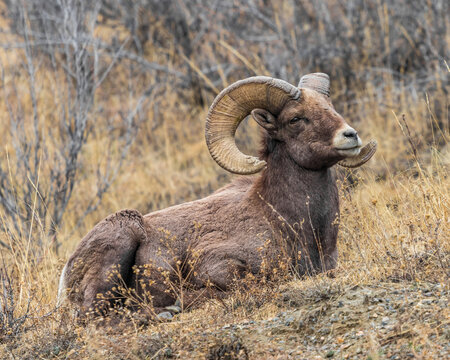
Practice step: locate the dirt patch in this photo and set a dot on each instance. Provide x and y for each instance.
(386, 321)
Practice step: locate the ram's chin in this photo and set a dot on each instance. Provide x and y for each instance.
(350, 152)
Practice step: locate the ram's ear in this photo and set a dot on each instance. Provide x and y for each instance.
(265, 119)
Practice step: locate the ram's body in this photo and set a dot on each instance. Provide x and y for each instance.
(287, 214)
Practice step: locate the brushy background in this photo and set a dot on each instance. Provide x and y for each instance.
(102, 107)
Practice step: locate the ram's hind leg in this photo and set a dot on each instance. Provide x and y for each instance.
(103, 260)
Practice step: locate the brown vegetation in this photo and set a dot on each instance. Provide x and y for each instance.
(133, 82)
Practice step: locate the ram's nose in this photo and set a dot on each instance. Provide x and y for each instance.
(347, 141)
(350, 134)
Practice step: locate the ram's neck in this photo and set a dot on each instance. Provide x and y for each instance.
(297, 194)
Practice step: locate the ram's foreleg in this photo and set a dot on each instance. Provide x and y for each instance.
(103, 262)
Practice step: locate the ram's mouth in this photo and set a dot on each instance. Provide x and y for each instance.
(349, 147)
(349, 151)
(347, 142)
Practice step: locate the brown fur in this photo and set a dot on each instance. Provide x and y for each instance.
(293, 203)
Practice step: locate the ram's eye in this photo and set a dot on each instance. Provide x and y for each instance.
(298, 119)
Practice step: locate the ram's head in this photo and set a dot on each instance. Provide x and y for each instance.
(299, 121)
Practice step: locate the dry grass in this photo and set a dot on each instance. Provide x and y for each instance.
(394, 234)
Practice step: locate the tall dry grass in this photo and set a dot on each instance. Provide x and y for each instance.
(395, 211)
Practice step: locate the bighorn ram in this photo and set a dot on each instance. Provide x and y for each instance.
(290, 210)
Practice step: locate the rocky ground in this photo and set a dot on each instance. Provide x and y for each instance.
(386, 321)
(323, 319)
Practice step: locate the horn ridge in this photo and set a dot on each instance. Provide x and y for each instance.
(319, 82)
(364, 155)
(231, 106)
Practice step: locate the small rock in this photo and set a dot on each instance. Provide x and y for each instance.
(385, 320)
(166, 315)
(330, 354)
(173, 308)
(289, 320)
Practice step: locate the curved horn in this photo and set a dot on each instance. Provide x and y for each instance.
(231, 106)
(364, 155)
(319, 82)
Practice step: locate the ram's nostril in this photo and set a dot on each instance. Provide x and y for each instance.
(350, 134)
